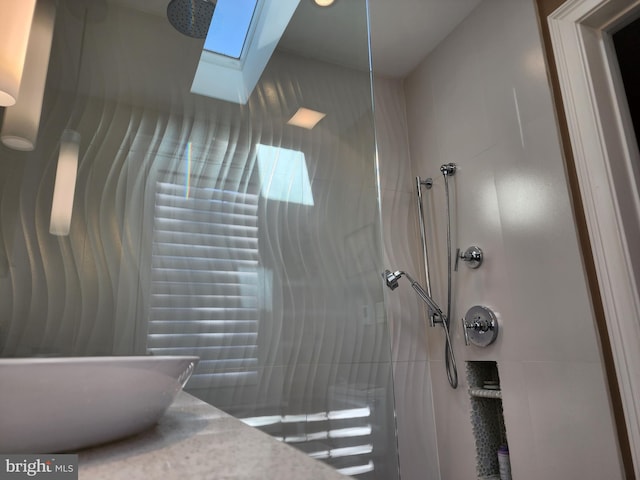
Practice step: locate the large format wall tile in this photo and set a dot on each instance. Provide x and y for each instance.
(481, 99)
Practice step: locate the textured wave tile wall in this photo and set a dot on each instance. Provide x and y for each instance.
(179, 223)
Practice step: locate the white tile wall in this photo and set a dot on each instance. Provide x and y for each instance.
(456, 444)
(569, 416)
(481, 99)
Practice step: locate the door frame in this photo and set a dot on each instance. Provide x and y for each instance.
(608, 169)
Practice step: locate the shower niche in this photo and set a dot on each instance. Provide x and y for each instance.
(487, 420)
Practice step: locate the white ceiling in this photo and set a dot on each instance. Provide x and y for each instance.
(403, 32)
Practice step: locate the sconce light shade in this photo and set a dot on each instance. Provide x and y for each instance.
(65, 185)
(21, 121)
(15, 23)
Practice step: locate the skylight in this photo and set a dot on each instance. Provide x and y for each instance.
(235, 56)
(283, 175)
(229, 27)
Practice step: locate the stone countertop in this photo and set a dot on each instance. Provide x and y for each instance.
(195, 441)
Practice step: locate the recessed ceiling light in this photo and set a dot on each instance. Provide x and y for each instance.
(324, 3)
(306, 118)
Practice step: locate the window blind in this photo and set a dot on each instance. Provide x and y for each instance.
(204, 282)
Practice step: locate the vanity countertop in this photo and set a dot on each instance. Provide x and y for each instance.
(195, 441)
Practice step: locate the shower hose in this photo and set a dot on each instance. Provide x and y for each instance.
(449, 357)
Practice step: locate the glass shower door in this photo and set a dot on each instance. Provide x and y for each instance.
(215, 227)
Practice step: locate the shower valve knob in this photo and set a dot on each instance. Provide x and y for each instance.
(480, 326)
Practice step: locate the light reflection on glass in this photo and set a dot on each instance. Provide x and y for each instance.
(357, 470)
(348, 413)
(343, 452)
(284, 175)
(187, 154)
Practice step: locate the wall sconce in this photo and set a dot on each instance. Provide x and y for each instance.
(65, 185)
(21, 121)
(15, 24)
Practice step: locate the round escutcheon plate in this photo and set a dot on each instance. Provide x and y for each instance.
(480, 326)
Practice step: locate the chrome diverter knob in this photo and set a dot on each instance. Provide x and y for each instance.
(480, 326)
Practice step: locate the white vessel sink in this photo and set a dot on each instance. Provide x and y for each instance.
(50, 405)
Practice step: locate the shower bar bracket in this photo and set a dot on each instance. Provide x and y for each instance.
(427, 182)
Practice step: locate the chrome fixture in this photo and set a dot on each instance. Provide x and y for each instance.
(448, 169)
(472, 256)
(480, 326)
(427, 183)
(392, 282)
(391, 278)
(191, 17)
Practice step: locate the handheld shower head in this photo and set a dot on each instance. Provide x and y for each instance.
(391, 278)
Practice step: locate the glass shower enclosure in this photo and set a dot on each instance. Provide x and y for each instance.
(211, 226)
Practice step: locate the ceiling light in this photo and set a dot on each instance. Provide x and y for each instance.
(15, 24)
(324, 3)
(306, 118)
(21, 120)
